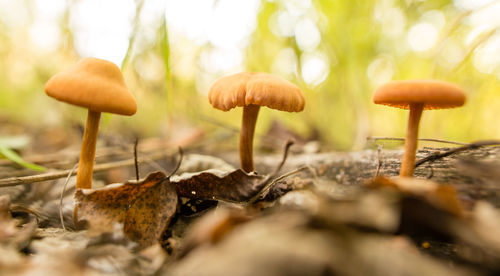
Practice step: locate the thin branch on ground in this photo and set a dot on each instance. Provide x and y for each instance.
(379, 160)
(471, 146)
(147, 146)
(14, 181)
(288, 144)
(262, 193)
(181, 156)
(267, 181)
(377, 138)
(136, 164)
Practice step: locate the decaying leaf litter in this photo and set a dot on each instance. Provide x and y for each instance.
(326, 219)
(326, 215)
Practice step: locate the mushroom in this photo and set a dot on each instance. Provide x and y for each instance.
(417, 95)
(252, 90)
(97, 85)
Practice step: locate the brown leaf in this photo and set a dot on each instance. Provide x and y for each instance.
(212, 228)
(287, 243)
(7, 224)
(441, 196)
(14, 232)
(192, 163)
(235, 186)
(144, 208)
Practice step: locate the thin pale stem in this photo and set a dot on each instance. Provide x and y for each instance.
(87, 154)
(250, 113)
(411, 141)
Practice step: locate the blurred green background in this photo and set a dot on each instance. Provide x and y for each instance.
(338, 52)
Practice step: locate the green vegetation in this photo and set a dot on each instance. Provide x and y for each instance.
(361, 45)
(9, 144)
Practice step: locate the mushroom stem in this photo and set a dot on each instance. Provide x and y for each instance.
(250, 113)
(87, 154)
(411, 141)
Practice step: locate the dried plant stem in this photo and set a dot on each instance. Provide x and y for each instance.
(474, 145)
(269, 185)
(14, 181)
(288, 144)
(136, 163)
(379, 160)
(376, 138)
(272, 176)
(123, 151)
(181, 156)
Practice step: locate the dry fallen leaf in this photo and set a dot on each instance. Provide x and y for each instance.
(7, 224)
(15, 232)
(144, 208)
(235, 186)
(288, 243)
(212, 227)
(441, 196)
(198, 162)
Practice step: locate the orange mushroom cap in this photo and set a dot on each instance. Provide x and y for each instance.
(95, 84)
(262, 89)
(433, 94)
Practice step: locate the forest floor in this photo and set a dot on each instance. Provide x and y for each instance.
(306, 212)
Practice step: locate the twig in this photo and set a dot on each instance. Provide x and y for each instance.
(376, 138)
(181, 155)
(288, 144)
(14, 181)
(431, 173)
(62, 195)
(266, 182)
(269, 185)
(147, 146)
(379, 160)
(474, 145)
(136, 164)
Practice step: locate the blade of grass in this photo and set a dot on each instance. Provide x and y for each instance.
(165, 48)
(14, 157)
(106, 117)
(138, 9)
